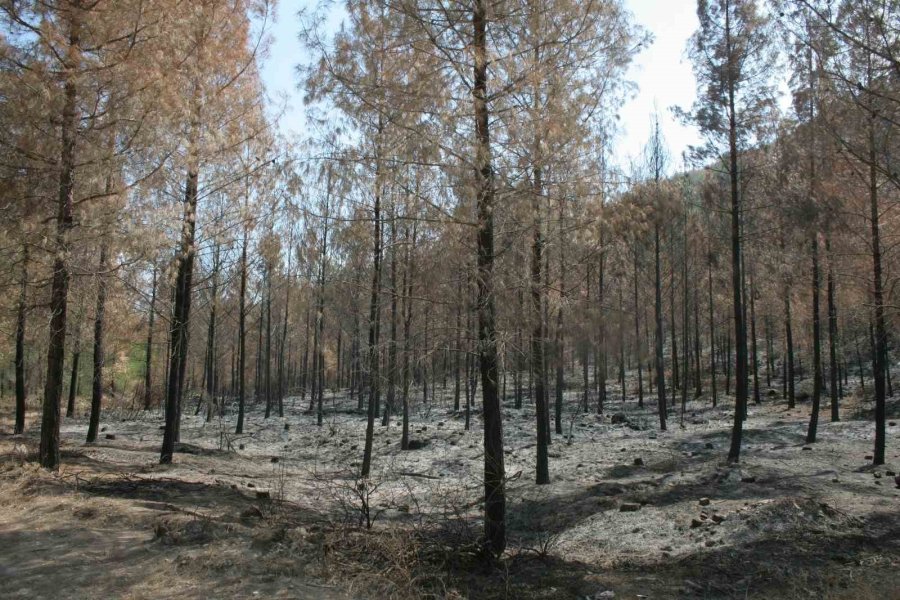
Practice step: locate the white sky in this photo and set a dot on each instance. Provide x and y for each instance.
(662, 73)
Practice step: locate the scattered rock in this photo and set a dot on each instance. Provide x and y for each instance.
(263, 495)
(604, 595)
(889, 474)
(102, 429)
(85, 512)
(717, 518)
(417, 444)
(629, 507)
(639, 462)
(110, 436)
(704, 501)
(877, 475)
(251, 512)
(695, 523)
(250, 485)
(807, 447)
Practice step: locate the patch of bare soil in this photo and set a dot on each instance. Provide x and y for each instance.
(631, 512)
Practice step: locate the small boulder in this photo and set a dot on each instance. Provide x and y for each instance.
(717, 518)
(695, 523)
(417, 444)
(251, 512)
(263, 495)
(274, 459)
(748, 479)
(639, 462)
(709, 446)
(704, 501)
(110, 436)
(629, 507)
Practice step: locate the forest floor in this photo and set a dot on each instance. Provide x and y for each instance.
(631, 512)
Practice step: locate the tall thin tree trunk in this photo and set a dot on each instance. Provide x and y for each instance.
(181, 309)
(637, 333)
(73, 379)
(817, 346)
(21, 316)
(494, 471)
(374, 330)
(148, 362)
(542, 474)
(740, 334)
(833, 369)
(99, 358)
(59, 287)
(660, 367)
(712, 330)
(242, 337)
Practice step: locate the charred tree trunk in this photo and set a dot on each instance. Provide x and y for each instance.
(99, 351)
(374, 322)
(494, 471)
(148, 366)
(542, 475)
(59, 287)
(242, 337)
(660, 366)
(21, 317)
(833, 369)
(817, 346)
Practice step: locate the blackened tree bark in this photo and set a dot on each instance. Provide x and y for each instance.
(637, 331)
(99, 350)
(73, 378)
(542, 472)
(712, 329)
(494, 471)
(21, 319)
(390, 399)
(180, 317)
(817, 346)
(242, 336)
(374, 321)
(148, 361)
(59, 287)
(407, 287)
(879, 359)
(833, 369)
(660, 366)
